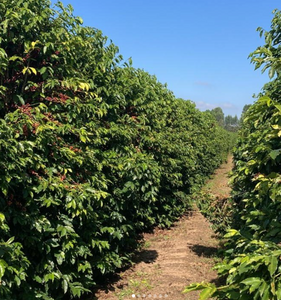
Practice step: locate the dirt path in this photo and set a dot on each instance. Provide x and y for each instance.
(172, 259)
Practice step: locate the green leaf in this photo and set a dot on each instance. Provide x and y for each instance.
(29, 70)
(17, 280)
(83, 139)
(3, 266)
(278, 106)
(33, 70)
(265, 295)
(231, 233)
(2, 218)
(274, 153)
(272, 266)
(207, 293)
(64, 285)
(38, 279)
(271, 73)
(24, 71)
(195, 287)
(13, 58)
(20, 99)
(42, 70)
(278, 290)
(10, 240)
(253, 282)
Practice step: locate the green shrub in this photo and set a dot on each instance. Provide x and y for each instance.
(92, 152)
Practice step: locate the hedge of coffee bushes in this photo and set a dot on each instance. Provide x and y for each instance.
(92, 152)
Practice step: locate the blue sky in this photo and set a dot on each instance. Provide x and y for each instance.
(199, 48)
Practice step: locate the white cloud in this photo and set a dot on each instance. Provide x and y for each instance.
(202, 105)
(227, 105)
(203, 83)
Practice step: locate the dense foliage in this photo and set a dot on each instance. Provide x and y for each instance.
(252, 266)
(218, 210)
(92, 152)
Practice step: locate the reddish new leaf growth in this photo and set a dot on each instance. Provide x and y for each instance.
(25, 109)
(56, 99)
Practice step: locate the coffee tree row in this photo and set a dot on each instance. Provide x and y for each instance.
(252, 266)
(92, 152)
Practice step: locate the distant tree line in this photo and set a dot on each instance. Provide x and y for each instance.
(229, 122)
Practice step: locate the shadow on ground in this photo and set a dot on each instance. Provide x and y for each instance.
(204, 251)
(108, 283)
(146, 256)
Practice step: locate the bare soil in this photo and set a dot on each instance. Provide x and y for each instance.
(172, 259)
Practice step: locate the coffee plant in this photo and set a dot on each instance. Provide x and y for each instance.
(252, 265)
(92, 153)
